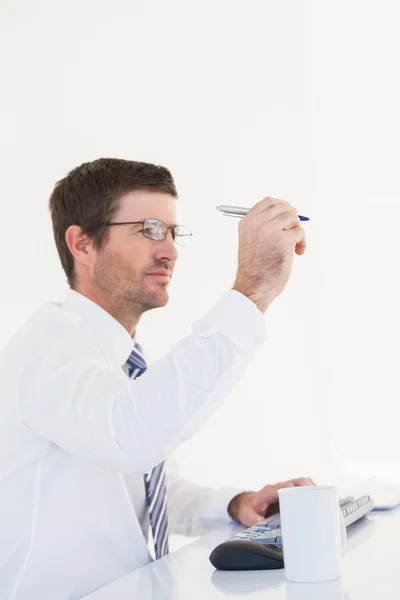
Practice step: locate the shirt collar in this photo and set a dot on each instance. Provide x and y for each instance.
(112, 336)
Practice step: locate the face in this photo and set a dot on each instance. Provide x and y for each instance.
(133, 272)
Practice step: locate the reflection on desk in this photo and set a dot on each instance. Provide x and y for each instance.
(243, 582)
(153, 582)
(358, 533)
(328, 590)
(370, 572)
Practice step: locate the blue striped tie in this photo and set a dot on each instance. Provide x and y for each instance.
(156, 491)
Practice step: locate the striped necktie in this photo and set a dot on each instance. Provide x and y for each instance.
(156, 491)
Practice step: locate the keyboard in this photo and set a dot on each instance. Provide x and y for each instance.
(269, 531)
(354, 509)
(260, 546)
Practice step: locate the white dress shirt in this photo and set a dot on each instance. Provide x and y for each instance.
(77, 435)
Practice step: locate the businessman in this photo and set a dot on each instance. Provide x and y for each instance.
(85, 425)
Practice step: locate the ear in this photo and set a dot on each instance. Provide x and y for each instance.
(80, 245)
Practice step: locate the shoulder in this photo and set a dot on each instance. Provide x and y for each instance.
(50, 330)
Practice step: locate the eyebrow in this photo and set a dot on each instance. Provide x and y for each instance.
(172, 225)
(132, 226)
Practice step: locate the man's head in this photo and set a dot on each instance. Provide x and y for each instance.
(114, 265)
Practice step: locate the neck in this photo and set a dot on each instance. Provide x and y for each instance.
(128, 318)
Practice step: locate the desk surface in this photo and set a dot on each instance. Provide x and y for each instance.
(371, 570)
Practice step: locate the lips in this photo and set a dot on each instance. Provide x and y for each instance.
(161, 272)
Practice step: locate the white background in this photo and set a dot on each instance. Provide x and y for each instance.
(298, 100)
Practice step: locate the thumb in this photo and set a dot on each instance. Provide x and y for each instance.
(251, 517)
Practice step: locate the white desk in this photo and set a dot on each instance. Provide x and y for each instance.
(371, 571)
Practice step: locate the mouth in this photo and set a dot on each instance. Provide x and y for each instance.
(161, 274)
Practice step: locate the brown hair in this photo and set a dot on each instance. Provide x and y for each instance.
(88, 196)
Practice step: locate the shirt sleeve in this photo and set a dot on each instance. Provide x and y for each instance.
(73, 397)
(195, 509)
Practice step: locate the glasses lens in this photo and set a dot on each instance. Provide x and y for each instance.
(182, 235)
(154, 229)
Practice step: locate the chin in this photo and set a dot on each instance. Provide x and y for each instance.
(160, 299)
(154, 297)
(164, 299)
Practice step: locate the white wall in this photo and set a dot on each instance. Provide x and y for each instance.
(240, 100)
(353, 86)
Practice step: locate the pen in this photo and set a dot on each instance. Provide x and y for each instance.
(240, 211)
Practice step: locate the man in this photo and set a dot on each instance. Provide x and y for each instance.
(85, 428)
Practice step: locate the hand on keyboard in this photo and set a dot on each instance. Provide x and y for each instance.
(250, 508)
(269, 530)
(261, 547)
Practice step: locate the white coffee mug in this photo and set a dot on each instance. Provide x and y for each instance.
(313, 533)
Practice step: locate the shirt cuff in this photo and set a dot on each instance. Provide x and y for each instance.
(237, 318)
(218, 505)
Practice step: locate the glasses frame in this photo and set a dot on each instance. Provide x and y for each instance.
(169, 228)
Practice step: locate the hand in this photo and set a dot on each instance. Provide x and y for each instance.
(250, 508)
(269, 235)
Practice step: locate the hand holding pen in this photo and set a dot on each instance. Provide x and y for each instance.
(268, 238)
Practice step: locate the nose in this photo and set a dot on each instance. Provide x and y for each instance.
(166, 249)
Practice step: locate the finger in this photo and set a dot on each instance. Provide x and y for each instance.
(249, 516)
(302, 481)
(274, 211)
(266, 204)
(307, 481)
(287, 220)
(299, 238)
(269, 493)
(272, 509)
(284, 484)
(301, 246)
(288, 483)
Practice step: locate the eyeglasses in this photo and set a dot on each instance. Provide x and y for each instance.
(154, 229)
